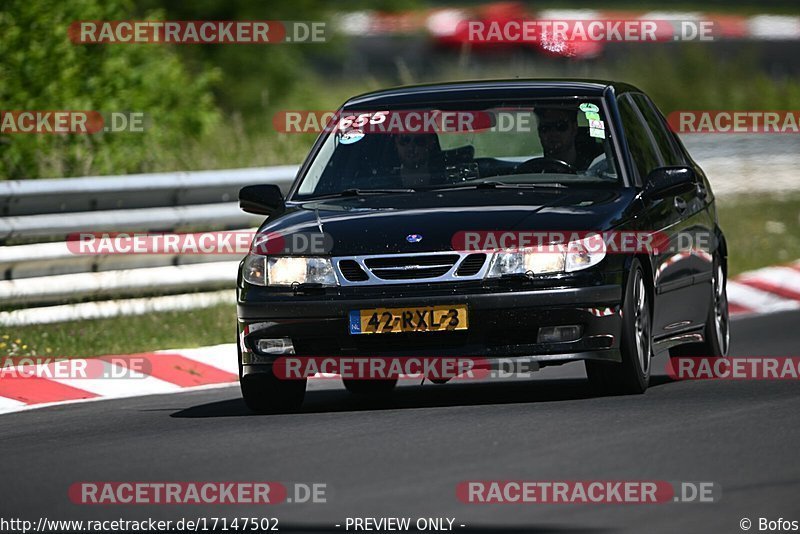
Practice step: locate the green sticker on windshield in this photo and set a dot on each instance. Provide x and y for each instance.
(596, 132)
(592, 116)
(588, 107)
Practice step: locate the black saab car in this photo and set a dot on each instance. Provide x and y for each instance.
(463, 220)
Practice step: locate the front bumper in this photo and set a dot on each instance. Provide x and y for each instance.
(502, 323)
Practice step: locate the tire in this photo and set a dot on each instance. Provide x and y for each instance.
(632, 375)
(372, 388)
(717, 331)
(264, 393)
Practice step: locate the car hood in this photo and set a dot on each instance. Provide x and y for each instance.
(380, 224)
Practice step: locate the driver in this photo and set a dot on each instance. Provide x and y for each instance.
(420, 158)
(558, 129)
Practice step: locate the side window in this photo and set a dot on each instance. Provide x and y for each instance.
(644, 153)
(666, 144)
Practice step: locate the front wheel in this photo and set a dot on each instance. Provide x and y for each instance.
(265, 393)
(632, 375)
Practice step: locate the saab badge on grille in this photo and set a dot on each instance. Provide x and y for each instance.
(413, 238)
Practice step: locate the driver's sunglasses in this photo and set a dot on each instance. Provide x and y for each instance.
(559, 126)
(416, 139)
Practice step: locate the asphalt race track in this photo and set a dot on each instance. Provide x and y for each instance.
(403, 457)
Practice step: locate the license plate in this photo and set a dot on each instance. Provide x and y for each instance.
(424, 319)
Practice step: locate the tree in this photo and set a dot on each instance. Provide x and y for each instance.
(42, 69)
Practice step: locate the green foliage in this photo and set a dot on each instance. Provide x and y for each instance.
(689, 77)
(180, 88)
(122, 335)
(760, 230)
(255, 78)
(694, 79)
(260, 79)
(43, 70)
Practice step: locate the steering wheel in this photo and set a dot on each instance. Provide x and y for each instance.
(542, 164)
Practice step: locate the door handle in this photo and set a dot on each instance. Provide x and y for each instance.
(680, 204)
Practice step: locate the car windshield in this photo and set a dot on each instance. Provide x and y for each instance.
(383, 151)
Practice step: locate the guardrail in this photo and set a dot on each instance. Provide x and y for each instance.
(39, 269)
(34, 197)
(45, 282)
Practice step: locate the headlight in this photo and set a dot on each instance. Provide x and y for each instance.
(285, 271)
(585, 253)
(573, 256)
(254, 270)
(521, 262)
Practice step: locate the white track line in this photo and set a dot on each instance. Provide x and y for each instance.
(220, 356)
(11, 405)
(784, 277)
(757, 300)
(28, 407)
(120, 387)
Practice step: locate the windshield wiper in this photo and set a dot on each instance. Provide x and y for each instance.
(360, 192)
(492, 184)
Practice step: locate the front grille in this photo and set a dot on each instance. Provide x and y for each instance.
(427, 260)
(352, 271)
(410, 274)
(411, 267)
(471, 265)
(404, 268)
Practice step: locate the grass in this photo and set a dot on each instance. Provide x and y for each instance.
(698, 79)
(122, 335)
(760, 231)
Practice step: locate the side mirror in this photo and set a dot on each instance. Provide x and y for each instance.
(261, 199)
(666, 181)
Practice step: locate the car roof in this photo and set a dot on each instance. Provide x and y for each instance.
(487, 89)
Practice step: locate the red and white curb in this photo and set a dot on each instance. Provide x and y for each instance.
(168, 371)
(767, 290)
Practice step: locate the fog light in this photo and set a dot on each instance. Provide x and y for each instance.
(275, 346)
(559, 334)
